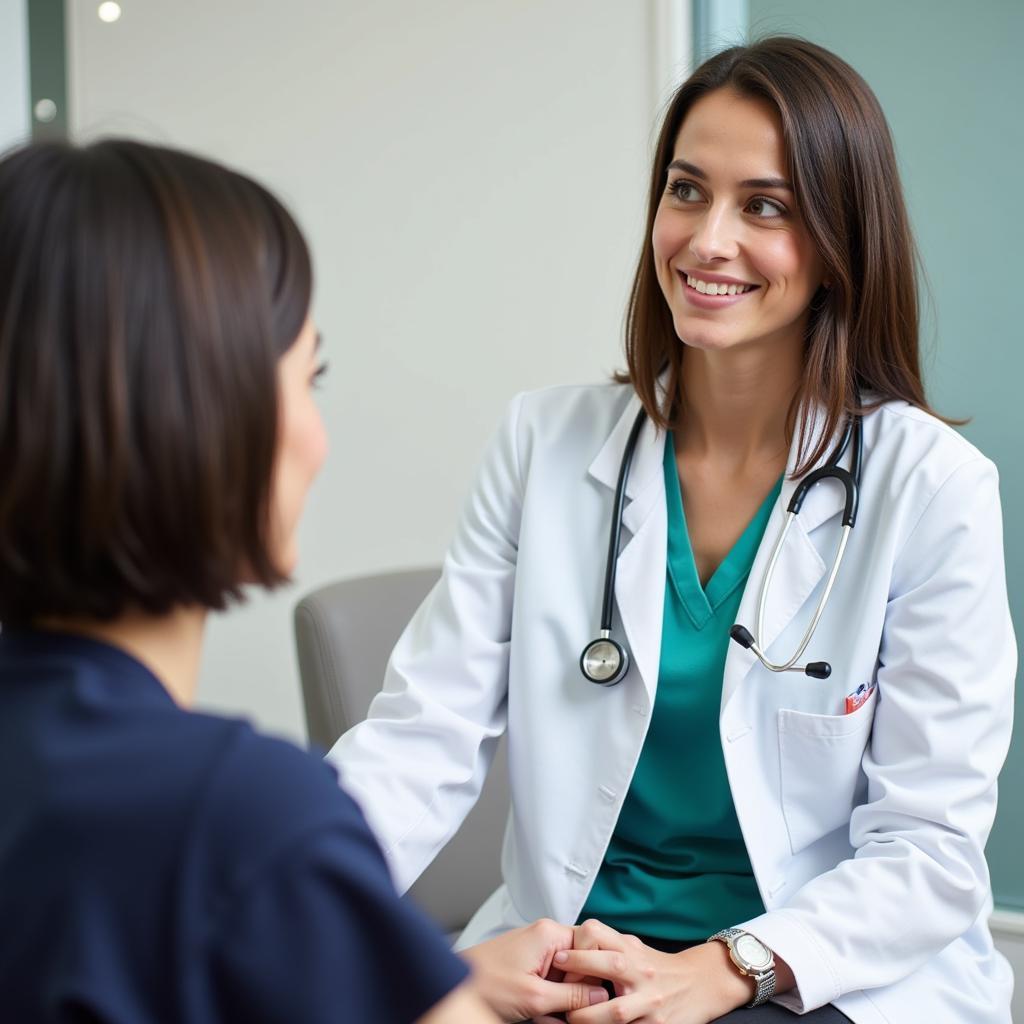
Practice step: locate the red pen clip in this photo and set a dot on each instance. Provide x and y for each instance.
(858, 697)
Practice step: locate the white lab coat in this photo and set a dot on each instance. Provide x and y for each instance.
(865, 831)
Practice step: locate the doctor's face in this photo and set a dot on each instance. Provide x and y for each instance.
(301, 443)
(732, 254)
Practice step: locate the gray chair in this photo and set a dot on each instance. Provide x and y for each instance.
(344, 634)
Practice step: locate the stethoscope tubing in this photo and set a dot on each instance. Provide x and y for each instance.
(616, 530)
(850, 481)
(762, 599)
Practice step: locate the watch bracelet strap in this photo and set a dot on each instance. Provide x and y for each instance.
(765, 981)
(765, 987)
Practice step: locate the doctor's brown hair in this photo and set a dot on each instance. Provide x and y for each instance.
(146, 296)
(862, 333)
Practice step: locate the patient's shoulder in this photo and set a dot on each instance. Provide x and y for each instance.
(263, 796)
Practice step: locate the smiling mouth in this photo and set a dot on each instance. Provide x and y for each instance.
(713, 288)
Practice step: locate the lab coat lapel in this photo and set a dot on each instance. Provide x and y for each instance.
(640, 569)
(799, 571)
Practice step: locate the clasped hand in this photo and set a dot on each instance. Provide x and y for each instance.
(547, 968)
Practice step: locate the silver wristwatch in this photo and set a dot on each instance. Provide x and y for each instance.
(752, 958)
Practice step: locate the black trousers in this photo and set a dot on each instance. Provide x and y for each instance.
(769, 1013)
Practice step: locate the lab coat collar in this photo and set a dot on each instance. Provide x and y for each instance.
(822, 502)
(825, 499)
(647, 457)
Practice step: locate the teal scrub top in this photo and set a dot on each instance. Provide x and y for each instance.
(677, 867)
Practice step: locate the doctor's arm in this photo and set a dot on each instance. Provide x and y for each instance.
(417, 763)
(918, 877)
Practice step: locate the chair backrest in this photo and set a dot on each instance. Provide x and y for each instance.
(344, 635)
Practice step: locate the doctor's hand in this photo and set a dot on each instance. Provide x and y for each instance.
(695, 986)
(516, 975)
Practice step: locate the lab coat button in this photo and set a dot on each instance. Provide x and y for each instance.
(575, 869)
(608, 794)
(640, 710)
(738, 734)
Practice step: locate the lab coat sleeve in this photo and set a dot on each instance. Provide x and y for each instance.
(947, 661)
(417, 763)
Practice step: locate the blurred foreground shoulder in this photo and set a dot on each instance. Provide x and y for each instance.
(303, 917)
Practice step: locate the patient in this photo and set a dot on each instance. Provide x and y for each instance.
(158, 438)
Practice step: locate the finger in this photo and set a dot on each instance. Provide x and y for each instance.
(597, 963)
(616, 1011)
(594, 934)
(576, 978)
(557, 997)
(559, 937)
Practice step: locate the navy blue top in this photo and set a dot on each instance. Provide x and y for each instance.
(158, 865)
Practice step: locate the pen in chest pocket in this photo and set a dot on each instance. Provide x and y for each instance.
(858, 697)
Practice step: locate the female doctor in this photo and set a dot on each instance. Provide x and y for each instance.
(818, 808)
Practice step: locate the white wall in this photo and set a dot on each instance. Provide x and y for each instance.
(14, 85)
(471, 175)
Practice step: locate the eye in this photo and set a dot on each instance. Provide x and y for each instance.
(316, 378)
(762, 206)
(683, 190)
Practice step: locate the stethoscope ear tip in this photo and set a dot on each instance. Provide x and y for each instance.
(819, 669)
(742, 636)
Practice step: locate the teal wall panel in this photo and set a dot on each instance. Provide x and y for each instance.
(718, 24)
(951, 80)
(48, 66)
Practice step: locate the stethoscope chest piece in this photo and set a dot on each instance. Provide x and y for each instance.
(604, 661)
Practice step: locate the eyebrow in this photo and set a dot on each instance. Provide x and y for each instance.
(683, 165)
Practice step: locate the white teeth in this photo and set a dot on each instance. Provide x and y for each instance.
(713, 288)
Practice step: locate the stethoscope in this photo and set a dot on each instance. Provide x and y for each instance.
(605, 661)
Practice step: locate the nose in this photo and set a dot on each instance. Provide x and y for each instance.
(714, 237)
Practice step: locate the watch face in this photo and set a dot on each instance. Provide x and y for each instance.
(753, 952)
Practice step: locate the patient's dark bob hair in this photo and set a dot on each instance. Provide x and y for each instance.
(146, 296)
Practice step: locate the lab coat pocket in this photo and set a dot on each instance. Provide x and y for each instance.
(820, 764)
